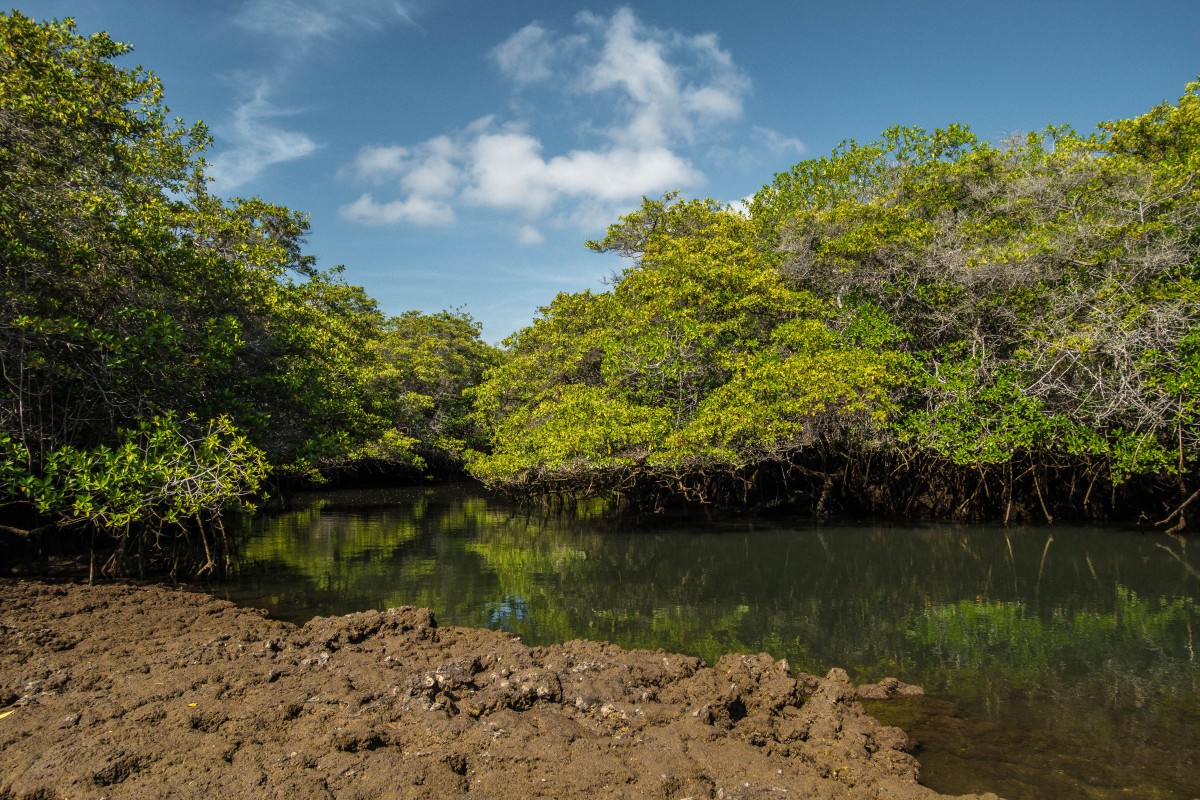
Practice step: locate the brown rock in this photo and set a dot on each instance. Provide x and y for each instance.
(124, 692)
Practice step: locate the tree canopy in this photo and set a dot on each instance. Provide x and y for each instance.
(164, 350)
(927, 324)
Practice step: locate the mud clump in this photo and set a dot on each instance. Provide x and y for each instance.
(126, 692)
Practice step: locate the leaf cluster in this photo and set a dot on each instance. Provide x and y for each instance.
(702, 357)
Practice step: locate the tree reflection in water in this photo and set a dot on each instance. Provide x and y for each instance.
(1071, 649)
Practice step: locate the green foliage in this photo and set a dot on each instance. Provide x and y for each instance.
(307, 371)
(132, 300)
(575, 428)
(701, 357)
(168, 476)
(155, 475)
(426, 363)
(930, 298)
(979, 418)
(782, 403)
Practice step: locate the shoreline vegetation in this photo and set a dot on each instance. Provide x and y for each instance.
(926, 326)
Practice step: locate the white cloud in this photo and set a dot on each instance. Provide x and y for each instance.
(637, 69)
(526, 55)
(434, 172)
(427, 174)
(529, 235)
(379, 164)
(508, 171)
(620, 173)
(429, 169)
(776, 142)
(417, 210)
(503, 168)
(713, 103)
(300, 22)
(253, 143)
(670, 85)
(649, 93)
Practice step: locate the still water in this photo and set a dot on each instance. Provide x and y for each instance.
(1058, 661)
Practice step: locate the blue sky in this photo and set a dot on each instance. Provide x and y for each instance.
(459, 152)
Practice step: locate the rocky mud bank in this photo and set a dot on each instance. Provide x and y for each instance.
(147, 692)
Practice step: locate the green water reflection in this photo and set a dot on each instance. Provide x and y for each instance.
(1069, 653)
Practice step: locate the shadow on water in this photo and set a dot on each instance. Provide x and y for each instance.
(1058, 662)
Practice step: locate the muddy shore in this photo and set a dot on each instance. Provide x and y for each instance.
(146, 692)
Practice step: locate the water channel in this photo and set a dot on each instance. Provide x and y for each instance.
(1058, 662)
